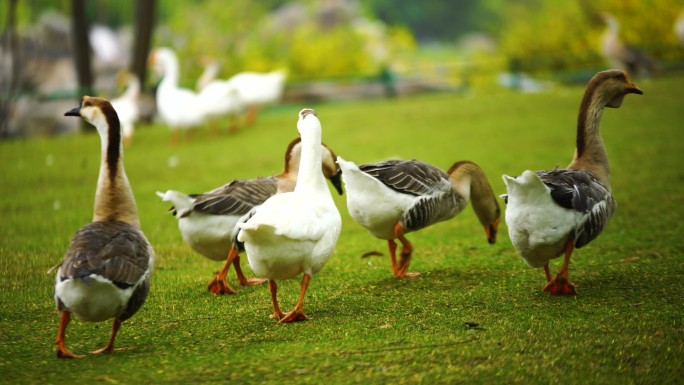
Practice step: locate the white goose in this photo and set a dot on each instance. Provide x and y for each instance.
(395, 197)
(257, 89)
(106, 270)
(295, 232)
(550, 213)
(126, 106)
(208, 222)
(220, 98)
(179, 108)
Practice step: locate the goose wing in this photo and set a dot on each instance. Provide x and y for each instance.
(237, 197)
(111, 249)
(581, 191)
(408, 176)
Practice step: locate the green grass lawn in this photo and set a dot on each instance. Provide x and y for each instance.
(475, 315)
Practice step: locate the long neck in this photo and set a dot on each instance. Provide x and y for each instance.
(133, 88)
(471, 183)
(590, 153)
(171, 74)
(310, 176)
(114, 199)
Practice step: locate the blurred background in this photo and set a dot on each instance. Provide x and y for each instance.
(54, 51)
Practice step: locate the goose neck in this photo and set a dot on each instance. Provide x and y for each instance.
(310, 176)
(590, 152)
(114, 199)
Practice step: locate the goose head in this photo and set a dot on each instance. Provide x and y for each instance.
(331, 170)
(471, 183)
(98, 112)
(162, 59)
(308, 122)
(612, 86)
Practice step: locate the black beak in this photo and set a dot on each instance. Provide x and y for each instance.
(337, 182)
(76, 111)
(491, 231)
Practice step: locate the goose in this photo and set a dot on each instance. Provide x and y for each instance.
(257, 89)
(126, 106)
(551, 213)
(220, 98)
(106, 270)
(395, 197)
(208, 222)
(179, 108)
(620, 55)
(294, 232)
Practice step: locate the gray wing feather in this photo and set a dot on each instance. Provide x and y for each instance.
(237, 197)
(114, 250)
(581, 191)
(407, 176)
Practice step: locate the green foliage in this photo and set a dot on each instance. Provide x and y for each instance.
(476, 315)
(565, 35)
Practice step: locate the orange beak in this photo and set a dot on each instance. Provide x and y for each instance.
(491, 230)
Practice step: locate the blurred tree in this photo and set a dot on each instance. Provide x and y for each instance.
(81, 47)
(144, 25)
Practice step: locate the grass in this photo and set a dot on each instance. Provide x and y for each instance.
(476, 315)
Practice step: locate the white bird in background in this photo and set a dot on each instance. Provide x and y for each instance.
(550, 213)
(258, 89)
(295, 232)
(179, 108)
(219, 98)
(679, 27)
(126, 106)
(621, 55)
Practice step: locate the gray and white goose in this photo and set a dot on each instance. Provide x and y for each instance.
(551, 213)
(106, 270)
(395, 197)
(208, 222)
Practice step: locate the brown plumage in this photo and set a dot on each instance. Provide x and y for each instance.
(106, 270)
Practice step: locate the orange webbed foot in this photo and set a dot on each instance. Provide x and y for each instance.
(219, 286)
(295, 315)
(63, 352)
(560, 286)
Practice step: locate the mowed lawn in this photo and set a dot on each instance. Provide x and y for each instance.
(475, 315)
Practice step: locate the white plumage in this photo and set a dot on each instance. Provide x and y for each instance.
(126, 106)
(295, 233)
(179, 108)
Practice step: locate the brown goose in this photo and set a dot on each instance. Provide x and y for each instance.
(624, 56)
(550, 213)
(208, 222)
(395, 197)
(106, 270)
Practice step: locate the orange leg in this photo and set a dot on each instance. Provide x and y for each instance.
(297, 314)
(561, 284)
(244, 281)
(273, 288)
(110, 346)
(62, 351)
(218, 285)
(251, 115)
(406, 251)
(547, 271)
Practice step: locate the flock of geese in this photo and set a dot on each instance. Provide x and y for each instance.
(182, 109)
(289, 225)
